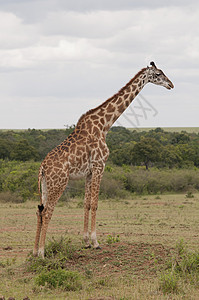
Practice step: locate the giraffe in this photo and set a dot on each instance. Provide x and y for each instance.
(83, 154)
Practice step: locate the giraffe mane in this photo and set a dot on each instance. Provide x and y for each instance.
(109, 99)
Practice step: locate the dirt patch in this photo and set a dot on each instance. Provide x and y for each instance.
(122, 258)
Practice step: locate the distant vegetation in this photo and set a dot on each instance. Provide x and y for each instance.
(156, 147)
(143, 162)
(30, 144)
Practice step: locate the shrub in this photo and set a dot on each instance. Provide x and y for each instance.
(19, 178)
(19, 181)
(7, 197)
(155, 181)
(189, 195)
(111, 187)
(66, 280)
(57, 253)
(183, 266)
(59, 248)
(185, 262)
(74, 189)
(169, 283)
(51, 269)
(111, 239)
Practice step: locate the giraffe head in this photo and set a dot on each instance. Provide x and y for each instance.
(156, 76)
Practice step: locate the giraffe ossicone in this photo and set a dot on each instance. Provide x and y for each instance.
(83, 154)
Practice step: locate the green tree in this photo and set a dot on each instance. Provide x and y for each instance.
(5, 148)
(23, 151)
(147, 151)
(170, 156)
(187, 153)
(180, 138)
(122, 155)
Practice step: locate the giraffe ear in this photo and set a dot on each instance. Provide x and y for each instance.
(153, 64)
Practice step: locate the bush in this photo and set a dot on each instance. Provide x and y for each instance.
(183, 266)
(51, 270)
(155, 181)
(74, 189)
(19, 178)
(189, 195)
(59, 248)
(18, 181)
(185, 262)
(169, 283)
(7, 197)
(57, 253)
(111, 187)
(66, 280)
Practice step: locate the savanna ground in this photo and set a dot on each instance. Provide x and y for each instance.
(138, 238)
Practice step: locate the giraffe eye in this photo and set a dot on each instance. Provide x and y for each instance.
(158, 74)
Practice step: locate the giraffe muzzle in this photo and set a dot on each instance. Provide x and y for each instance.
(170, 85)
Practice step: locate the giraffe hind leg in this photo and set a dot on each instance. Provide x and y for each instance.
(46, 215)
(39, 215)
(38, 231)
(49, 198)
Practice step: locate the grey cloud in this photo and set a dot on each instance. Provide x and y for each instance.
(69, 56)
(34, 11)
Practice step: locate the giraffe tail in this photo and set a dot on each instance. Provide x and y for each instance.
(39, 183)
(42, 189)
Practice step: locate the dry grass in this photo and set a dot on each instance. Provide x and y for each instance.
(137, 237)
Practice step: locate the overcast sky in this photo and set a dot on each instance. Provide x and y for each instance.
(60, 58)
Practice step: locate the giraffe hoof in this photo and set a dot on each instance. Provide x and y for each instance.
(98, 248)
(87, 247)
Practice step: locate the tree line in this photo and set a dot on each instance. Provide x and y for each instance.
(156, 147)
(171, 157)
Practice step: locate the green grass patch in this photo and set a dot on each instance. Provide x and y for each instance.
(182, 267)
(66, 280)
(112, 239)
(57, 253)
(169, 283)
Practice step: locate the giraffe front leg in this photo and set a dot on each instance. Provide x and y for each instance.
(87, 205)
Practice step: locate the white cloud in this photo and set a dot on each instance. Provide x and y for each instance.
(14, 33)
(93, 24)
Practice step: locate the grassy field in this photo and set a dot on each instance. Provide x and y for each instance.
(138, 238)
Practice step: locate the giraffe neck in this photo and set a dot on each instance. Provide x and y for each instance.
(103, 116)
